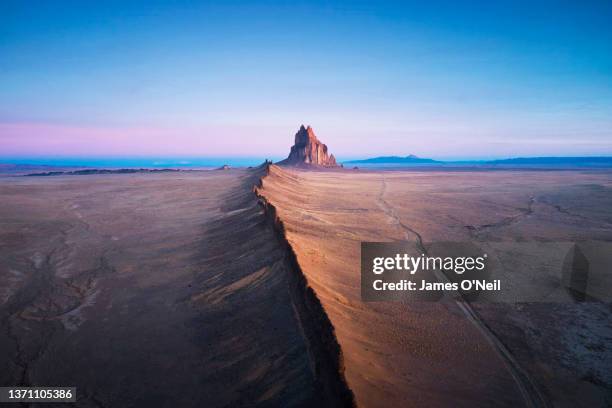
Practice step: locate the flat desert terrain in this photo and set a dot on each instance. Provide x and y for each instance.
(451, 353)
(242, 288)
(148, 290)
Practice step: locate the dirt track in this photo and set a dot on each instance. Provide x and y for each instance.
(453, 353)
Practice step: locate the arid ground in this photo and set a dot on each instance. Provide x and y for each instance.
(148, 290)
(197, 289)
(451, 353)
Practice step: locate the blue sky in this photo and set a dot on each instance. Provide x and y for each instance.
(442, 79)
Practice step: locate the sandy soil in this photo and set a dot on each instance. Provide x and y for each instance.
(148, 290)
(453, 353)
(186, 289)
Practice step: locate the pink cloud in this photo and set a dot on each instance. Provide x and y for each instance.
(54, 139)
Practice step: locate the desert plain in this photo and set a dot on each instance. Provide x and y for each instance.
(242, 288)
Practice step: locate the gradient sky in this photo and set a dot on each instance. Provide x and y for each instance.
(450, 79)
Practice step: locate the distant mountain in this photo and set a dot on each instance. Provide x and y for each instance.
(556, 161)
(535, 162)
(394, 160)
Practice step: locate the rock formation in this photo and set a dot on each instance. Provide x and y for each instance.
(309, 150)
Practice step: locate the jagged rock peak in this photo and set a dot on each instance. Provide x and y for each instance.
(309, 150)
(304, 136)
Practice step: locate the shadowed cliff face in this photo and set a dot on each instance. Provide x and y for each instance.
(451, 353)
(309, 150)
(133, 286)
